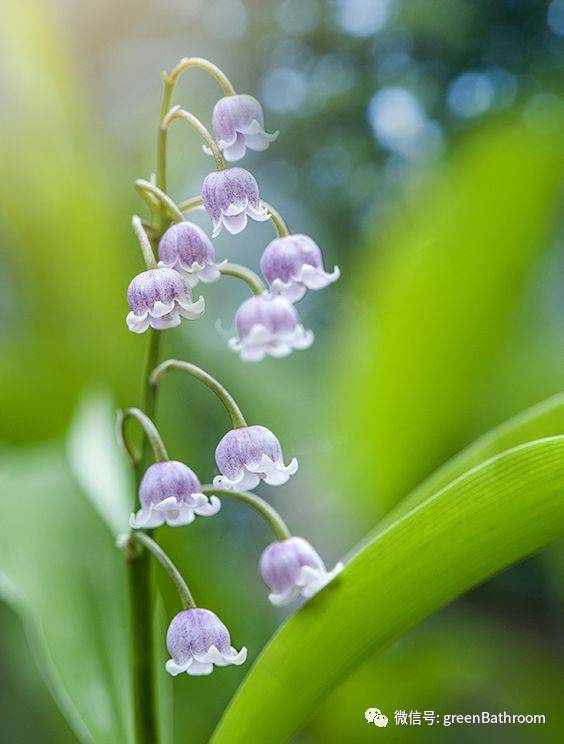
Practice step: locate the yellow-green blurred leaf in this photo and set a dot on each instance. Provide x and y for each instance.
(420, 342)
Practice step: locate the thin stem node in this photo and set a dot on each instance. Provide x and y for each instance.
(203, 64)
(146, 187)
(176, 112)
(150, 431)
(246, 275)
(279, 223)
(144, 242)
(188, 205)
(186, 598)
(225, 397)
(270, 514)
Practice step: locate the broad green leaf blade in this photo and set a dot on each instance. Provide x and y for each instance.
(490, 517)
(546, 419)
(97, 463)
(434, 313)
(63, 574)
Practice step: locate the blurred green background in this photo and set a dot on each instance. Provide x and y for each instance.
(421, 145)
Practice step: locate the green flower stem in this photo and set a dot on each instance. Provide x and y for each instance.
(142, 653)
(246, 275)
(226, 398)
(170, 81)
(139, 566)
(144, 187)
(149, 393)
(144, 242)
(202, 64)
(187, 205)
(274, 519)
(140, 587)
(150, 431)
(179, 113)
(150, 199)
(152, 233)
(169, 84)
(186, 598)
(279, 223)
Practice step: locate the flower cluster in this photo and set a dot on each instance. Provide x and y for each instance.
(267, 324)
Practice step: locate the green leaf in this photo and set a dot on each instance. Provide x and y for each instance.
(435, 315)
(495, 514)
(63, 574)
(97, 463)
(546, 419)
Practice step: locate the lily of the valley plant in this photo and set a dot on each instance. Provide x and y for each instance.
(178, 257)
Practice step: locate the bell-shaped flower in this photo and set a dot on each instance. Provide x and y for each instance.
(238, 123)
(170, 492)
(291, 568)
(229, 197)
(268, 325)
(248, 455)
(186, 248)
(159, 298)
(294, 264)
(197, 641)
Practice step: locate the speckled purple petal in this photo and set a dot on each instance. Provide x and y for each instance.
(284, 257)
(229, 190)
(156, 285)
(186, 243)
(168, 479)
(233, 114)
(281, 562)
(274, 313)
(194, 632)
(246, 446)
(238, 123)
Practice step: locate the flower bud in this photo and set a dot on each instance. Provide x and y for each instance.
(170, 492)
(291, 568)
(186, 248)
(197, 640)
(268, 325)
(238, 123)
(248, 455)
(229, 197)
(159, 298)
(294, 264)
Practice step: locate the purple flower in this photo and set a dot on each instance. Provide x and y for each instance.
(268, 325)
(170, 492)
(248, 455)
(238, 123)
(186, 248)
(196, 640)
(230, 196)
(291, 568)
(158, 298)
(294, 264)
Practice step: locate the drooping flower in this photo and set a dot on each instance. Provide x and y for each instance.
(248, 455)
(238, 123)
(291, 568)
(294, 264)
(186, 248)
(197, 640)
(229, 197)
(268, 325)
(159, 298)
(171, 492)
